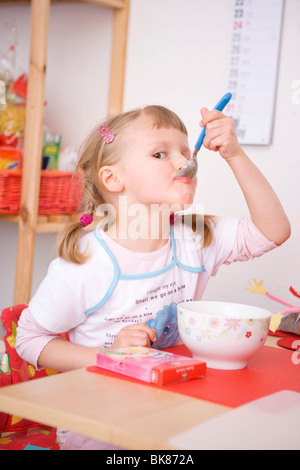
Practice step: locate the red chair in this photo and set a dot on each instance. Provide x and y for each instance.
(18, 433)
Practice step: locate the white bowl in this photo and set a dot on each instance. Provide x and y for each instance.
(224, 335)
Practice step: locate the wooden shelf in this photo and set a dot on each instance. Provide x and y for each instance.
(51, 223)
(44, 223)
(106, 3)
(10, 218)
(29, 222)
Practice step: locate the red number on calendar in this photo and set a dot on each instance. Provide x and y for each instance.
(237, 25)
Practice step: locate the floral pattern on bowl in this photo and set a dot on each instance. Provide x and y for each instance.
(221, 327)
(226, 338)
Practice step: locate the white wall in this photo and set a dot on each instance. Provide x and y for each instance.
(177, 56)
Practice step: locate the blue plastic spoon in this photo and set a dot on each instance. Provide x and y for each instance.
(190, 168)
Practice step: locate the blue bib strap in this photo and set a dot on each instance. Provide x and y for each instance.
(192, 269)
(115, 278)
(158, 272)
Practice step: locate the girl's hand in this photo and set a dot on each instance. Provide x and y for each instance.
(138, 334)
(220, 134)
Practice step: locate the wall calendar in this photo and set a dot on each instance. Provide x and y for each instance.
(253, 66)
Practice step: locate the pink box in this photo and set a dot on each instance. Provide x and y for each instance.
(150, 365)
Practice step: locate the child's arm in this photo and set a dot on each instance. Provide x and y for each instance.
(265, 208)
(62, 355)
(45, 349)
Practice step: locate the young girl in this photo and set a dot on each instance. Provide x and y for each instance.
(119, 285)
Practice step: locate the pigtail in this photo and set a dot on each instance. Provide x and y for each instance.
(208, 232)
(200, 224)
(68, 239)
(67, 243)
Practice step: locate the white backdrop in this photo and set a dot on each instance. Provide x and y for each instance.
(177, 56)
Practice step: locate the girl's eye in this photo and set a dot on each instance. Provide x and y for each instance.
(160, 155)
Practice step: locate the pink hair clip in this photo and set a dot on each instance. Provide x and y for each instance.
(86, 219)
(173, 218)
(106, 134)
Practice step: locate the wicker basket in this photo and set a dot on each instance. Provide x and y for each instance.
(60, 192)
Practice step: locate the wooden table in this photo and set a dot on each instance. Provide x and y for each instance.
(124, 413)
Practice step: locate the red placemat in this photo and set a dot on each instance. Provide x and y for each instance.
(269, 371)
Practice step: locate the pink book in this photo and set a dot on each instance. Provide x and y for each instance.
(150, 365)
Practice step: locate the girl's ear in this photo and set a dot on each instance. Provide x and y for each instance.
(108, 176)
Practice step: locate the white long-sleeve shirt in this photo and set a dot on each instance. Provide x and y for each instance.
(117, 287)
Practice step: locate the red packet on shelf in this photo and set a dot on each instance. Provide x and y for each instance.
(150, 365)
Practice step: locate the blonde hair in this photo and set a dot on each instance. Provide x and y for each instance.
(96, 153)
